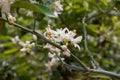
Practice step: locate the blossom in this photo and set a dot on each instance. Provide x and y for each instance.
(56, 13)
(26, 47)
(58, 7)
(53, 57)
(66, 50)
(52, 48)
(62, 37)
(27, 44)
(15, 39)
(33, 1)
(1, 45)
(11, 19)
(54, 60)
(75, 41)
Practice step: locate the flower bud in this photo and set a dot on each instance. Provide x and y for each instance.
(11, 19)
(34, 37)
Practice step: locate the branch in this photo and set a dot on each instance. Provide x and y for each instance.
(94, 63)
(40, 36)
(108, 73)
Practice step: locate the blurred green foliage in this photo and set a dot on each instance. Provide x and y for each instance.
(103, 28)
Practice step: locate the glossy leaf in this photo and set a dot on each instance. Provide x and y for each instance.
(34, 7)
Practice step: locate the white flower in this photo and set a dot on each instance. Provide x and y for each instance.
(23, 50)
(58, 6)
(56, 14)
(66, 50)
(21, 43)
(53, 56)
(49, 32)
(33, 44)
(75, 41)
(1, 45)
(61, 35)
(52, 48)
(11, 1)
(54, 60)
(15, 40)
(33, 1)
(26, 47)
(72, 33)
(11, 19)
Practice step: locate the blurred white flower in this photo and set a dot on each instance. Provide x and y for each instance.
(15, 39)
(33, 1)
(53, 57)
(23, 50)
(52, 48)
(26, 46)
(56, 13)
(1, 45)
(11, 19)
(34, 37)
(54, 60)
(66, 50)
(58, 7)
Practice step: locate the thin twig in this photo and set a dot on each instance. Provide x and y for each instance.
(94, 63)
(34, 25)
(80, 62)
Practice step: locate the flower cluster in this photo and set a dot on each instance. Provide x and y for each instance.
(26, 46)
(58, 7)
(62, 37)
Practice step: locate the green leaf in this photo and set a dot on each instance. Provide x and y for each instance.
(10, 51)
(34, 7)
(45, 10)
